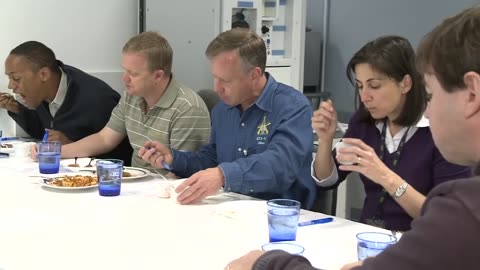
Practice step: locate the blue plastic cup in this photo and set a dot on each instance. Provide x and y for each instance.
(283, 219)
(289, 247)
(370, 244)
(49, 156)
(109, 173)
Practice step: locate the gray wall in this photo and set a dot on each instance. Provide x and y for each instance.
(315, 15)
(189, 35)
(352, 23)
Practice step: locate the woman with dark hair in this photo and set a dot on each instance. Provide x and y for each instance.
(453, 81)
(388, 142)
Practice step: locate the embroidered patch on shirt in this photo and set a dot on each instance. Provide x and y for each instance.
(262, 129)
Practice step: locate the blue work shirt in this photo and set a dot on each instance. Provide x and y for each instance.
(265, 151)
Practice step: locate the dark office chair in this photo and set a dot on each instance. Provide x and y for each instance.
(326, 202)
(317, 97)
(210, 98)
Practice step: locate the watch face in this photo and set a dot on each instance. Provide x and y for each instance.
(401, 189)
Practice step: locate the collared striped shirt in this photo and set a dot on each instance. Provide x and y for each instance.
(180, 120)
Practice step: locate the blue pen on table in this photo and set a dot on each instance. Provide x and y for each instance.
(164, 164)
(315, 221)
(9, 139)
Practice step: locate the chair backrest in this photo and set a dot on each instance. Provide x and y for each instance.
(210, 98)
(326, 201)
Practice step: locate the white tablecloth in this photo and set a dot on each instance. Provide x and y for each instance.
(41, 228)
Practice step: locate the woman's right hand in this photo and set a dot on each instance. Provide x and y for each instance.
(324, 121)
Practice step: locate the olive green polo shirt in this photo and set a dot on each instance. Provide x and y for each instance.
(180, 120)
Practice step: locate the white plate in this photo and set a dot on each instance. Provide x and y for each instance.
(7, 150)
(45, 183)
(12, 143)
(134, 171)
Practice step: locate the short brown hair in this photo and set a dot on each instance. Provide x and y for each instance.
(452, 49)
(154, 47)
(250, 46)
(394, 57)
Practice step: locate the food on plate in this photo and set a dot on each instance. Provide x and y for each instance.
(73, 181)
(7, 145)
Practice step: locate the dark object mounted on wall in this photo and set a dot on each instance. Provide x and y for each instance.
(238, 20)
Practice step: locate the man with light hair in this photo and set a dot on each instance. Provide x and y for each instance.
(262, 140)
(154, 106)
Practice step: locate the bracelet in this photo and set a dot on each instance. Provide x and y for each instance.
(400, 190)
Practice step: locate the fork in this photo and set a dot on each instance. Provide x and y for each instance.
(90, 162)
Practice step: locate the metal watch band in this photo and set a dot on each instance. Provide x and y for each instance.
(400, 190)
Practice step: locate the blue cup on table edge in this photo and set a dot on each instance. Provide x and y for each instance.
(290, 247)
(283, 215)
(370, 244)
(109, 173)
(49, 156)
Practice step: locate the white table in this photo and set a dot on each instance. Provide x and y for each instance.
(46, 229)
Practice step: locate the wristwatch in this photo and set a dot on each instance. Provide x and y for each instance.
(400, 190)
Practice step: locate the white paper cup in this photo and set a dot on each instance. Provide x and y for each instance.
(21, 149)
(351, 161)
(164, 189)
(174, 185)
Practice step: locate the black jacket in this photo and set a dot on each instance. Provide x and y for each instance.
(85, 110)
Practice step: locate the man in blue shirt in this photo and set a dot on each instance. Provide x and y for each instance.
(261, 141)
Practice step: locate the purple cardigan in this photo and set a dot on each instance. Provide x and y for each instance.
(420, 164)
